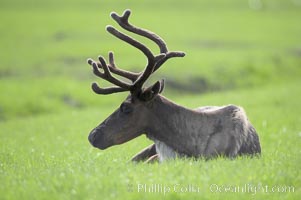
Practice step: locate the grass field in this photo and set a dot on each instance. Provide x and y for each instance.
(238, 52)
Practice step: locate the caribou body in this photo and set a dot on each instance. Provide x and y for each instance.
(176, 131)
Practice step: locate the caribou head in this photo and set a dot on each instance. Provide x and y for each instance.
(176, 131)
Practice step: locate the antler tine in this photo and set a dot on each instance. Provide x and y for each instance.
(169, 55)
(114, 69)
(131, 41)
(108, 90)
(106, 75)
(123, 21)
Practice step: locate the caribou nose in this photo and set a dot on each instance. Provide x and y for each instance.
(97, 139)
(92, 137)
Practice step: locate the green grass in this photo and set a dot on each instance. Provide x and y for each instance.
(49, 156)
(235, 55)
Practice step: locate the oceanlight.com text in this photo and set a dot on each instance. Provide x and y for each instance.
(251, 188)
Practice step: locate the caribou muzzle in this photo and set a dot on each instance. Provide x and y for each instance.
(97, 139)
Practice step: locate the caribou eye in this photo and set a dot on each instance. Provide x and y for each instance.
(126, 108)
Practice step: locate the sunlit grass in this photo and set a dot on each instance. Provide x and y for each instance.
(50, 157)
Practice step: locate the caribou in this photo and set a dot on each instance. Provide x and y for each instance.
(204, 132)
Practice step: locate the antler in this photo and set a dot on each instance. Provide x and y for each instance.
(138, 79)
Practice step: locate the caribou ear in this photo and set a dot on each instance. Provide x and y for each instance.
(158, 87)
(150, 92)
(162, 82)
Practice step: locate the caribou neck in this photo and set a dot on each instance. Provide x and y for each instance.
(170, 123)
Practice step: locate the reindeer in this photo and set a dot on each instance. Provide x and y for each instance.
(204, 132)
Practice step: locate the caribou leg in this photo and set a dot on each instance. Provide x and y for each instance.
(153, 159)
(145, 153)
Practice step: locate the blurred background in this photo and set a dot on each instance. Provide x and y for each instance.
(229, 44)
